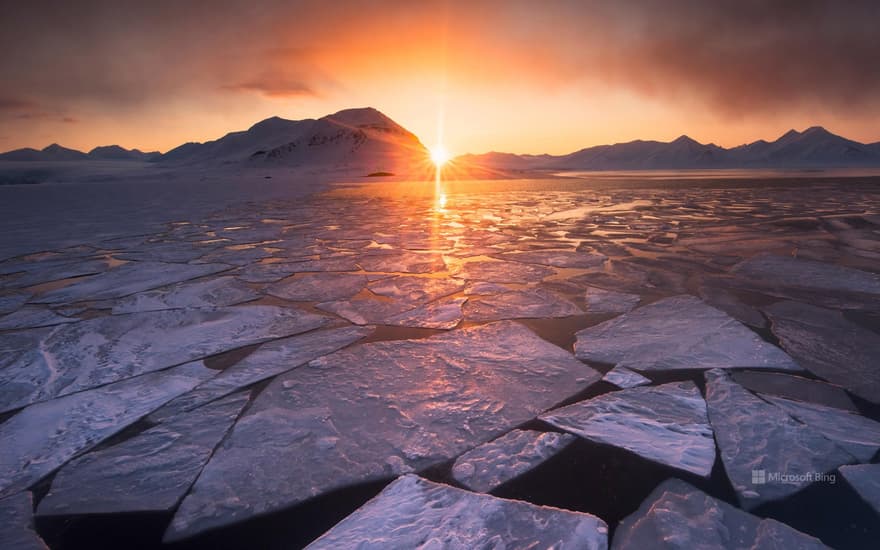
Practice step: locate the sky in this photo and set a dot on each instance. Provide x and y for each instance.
(547, 76)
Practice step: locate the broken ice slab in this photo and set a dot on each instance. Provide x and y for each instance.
(149, 472)
(795, 387)
(785, 271)
(13, 301)
(854, 433)
(624, 378)
(728, 302)
(366, 311)
(416, 513)
(829, 345)
(865, 479)
(402, 262)
(417, 290)
(556, 258)
(488, 466)
(39, 273)
(97, 351)
(482, 288)
(441, 315)
(270, 359)
(758, 439)
(42, 437)
(600, 300)
(678, 516)
(520, 304)
(218, 292)
(127, 279)
(374, 411)
(32, 317)
(502, 272)
(17, 524)
(666, 424)
(270, 273)
(680, 332)
(318, 287)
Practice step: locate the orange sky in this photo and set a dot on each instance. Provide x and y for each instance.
(506, 76)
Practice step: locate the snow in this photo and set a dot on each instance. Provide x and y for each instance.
(45, 435)
(754, 435)
(680, 332)
(485, 468)
(149, 472)
(413, 513)
(827, 344)
(98, 351)
(685, 518)
(374, 411)
(666, 424)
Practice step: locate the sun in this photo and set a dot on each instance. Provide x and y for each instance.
(439, 155)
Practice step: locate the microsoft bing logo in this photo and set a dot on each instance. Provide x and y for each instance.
(759, 477)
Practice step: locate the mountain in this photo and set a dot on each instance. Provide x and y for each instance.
(53, 152)
(361, 139)
(813, 148)
(115, 152)
(56, 153)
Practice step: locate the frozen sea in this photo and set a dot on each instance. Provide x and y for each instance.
(229, 360)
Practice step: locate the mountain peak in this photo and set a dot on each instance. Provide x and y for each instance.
(685, 139)
(815, 131)
(362, 116)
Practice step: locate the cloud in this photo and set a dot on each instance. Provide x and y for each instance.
(737, 58)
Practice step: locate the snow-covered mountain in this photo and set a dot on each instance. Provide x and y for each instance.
(813, 148)
(360, 139)
(52, 153)
(115, 152)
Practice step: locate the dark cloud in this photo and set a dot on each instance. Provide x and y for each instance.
(736, 57)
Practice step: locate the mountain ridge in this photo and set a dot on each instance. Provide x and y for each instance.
(367, 138)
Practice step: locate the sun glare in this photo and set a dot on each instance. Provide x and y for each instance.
(439, 155)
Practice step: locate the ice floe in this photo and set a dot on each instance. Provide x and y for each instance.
(270, 359)
(32, 317)
(43, 436)
(97, 351)
(785, 271)
(128, 279)
(556, 258)
(666, 424)
(520, 304)
(677, 515)
(318, 287)
(149, 472)
(502, 272)
(795, 387)
(600, 300)
(17, 524)
(827, 344)
(415, 513)
(484, 468)
(758, 439)
(217, 292)
(624, 378)
(865, 479)
(680, 332)
(374, 411)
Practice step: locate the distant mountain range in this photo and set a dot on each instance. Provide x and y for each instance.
(367, 140)
(55, 153)
(361, 139)
(815, 147)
